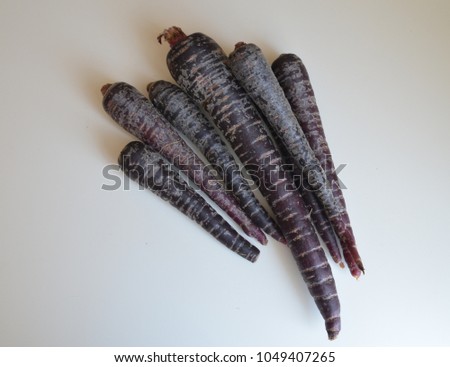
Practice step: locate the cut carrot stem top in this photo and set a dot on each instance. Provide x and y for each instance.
(172, 35)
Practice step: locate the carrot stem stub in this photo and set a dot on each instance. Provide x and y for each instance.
(198, 65)
(152, 171)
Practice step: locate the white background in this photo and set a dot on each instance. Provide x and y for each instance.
(81, 266)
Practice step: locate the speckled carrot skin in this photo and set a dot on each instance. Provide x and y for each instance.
(181, 111)
(318, 215)
(136, 114)
(151, 171)
(198, 65)
(256, 76)
(315, 208)
(295, 82)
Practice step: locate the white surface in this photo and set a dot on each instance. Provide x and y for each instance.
(84, 266)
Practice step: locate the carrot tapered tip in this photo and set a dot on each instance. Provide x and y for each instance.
(254, 256)
(360, 266)
(338, 260)
(332, 335)
(333, 326)
(261, 237)
(360, 269)
(356, 274)
(354, 270)
(105, 88)
(256, 233)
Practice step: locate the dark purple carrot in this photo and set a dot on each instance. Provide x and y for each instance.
(322, 224)
(256, 76)
(136, 114)
(294, 80)
(198, 65)
(315, 208)
(151, 171)
(182, 112)
(318, 215)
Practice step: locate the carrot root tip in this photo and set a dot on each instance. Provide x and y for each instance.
(360, 266)
(332, 335)
(333, 326)
(254, 257)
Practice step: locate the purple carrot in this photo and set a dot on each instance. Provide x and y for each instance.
(181, 111)
(322, 224)
(294, 80)
(315, 208)
(318, 215)
(198, 65)
(153, 172)
(136, 114)
(256, 76)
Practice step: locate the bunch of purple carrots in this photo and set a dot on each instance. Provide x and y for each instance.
(269, 118)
